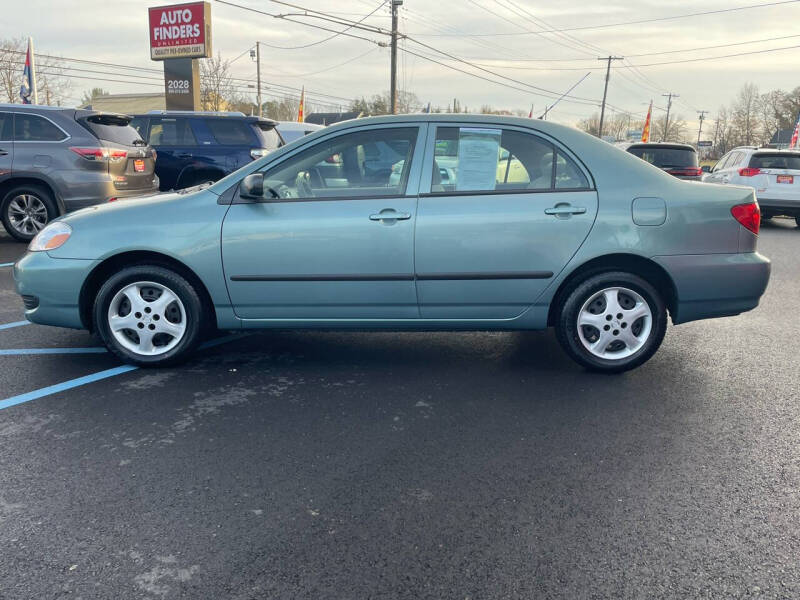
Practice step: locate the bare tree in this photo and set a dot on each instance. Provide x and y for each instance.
(590, 125)
(216, 83)
(769, 111)
(51, 82)
(745, 114)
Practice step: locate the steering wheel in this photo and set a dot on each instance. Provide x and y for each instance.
(316, 179)
(303, 187)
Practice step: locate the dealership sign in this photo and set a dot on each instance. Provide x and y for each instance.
(180, 31)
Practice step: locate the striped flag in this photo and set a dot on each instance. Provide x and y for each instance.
(301, 117)
(646, 128)
(793, 143)
(27, 91)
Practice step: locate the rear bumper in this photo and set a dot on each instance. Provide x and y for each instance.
(56, 284)
(780, 207)
(716, 285)
(97, 192)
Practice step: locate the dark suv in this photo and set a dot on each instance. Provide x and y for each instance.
(199, 147)
(55, 160)
(679, 160)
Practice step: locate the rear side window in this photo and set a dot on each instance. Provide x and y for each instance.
(111, 128)
(140, 125)
(665, 157)
(6, 127)
(230, 132)
(32, 128)
(777, 160)
(170, 132)
(568, 175)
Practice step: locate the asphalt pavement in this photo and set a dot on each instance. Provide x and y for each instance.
(293, 465)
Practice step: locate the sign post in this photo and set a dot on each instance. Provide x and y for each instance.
(179, 35)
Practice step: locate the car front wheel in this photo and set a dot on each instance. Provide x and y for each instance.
(612, 322)
(149, 316)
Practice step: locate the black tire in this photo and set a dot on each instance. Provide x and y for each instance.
(180, 287)
(797, 221)
(41, 194)
(581, 292)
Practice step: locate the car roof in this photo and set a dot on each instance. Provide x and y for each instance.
(199, 114)
(295, 126)
(29, 107)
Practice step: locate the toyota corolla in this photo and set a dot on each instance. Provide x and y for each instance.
(448, 222)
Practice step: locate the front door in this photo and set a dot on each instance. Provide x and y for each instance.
(504, 213)
(333, 239)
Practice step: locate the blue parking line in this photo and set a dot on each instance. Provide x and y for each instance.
(6, 264)
(14, 324)
(73, 383)
(22, 351)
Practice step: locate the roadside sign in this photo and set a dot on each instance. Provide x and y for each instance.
(180, 31)
(704, 144)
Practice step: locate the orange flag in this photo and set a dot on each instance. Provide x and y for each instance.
(301, 117)
(646, 128)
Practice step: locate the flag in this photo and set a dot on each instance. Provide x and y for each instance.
(646, 128)
(301, 117)
(427, 109)
(793, 143)
(27, 91)
(530, 114)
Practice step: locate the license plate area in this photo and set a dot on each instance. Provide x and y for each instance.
(138, 165)
(785, 178)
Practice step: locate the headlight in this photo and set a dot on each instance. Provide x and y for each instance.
(51, 237)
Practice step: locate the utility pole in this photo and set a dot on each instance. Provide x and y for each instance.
(258, 76)
(669, 97)
(605, 93)
(702, 117)
(393, 80)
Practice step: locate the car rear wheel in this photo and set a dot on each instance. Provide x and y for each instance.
(26, 210)
(612, 322)
(149, 316)
(797, 221)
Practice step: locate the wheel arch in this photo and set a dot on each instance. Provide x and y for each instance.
(646, 268)
(14, 181)
(116, 262)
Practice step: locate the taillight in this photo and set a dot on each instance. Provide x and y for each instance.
(100, 154)
(748, 215)
(687, 171)
(749, 171)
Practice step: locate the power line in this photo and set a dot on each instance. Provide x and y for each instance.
(638, 22)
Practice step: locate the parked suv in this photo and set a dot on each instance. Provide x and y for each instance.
(679, 160)
(773, 174)
(200, 147)
(54, 160)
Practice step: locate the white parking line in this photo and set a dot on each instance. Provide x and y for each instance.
(6, 264)
(79, 381)
(24, 351)
(14, 324)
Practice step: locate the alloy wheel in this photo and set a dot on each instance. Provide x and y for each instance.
(27, 214)
(147, 318)
(614, 323)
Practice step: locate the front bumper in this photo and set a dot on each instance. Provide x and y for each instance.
(56, 283)
(716, 285)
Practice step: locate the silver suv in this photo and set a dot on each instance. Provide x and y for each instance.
(55, 160)
(773, 174)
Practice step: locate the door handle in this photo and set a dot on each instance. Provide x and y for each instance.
(184, 155)
(389, 214)
(565, 210)
(3, 152)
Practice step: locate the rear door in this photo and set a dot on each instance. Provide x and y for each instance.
(131, 162)
(175, 143)
(503, 211)
(6, 144)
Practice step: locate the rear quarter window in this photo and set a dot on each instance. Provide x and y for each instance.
(775, 161)
(230, 132)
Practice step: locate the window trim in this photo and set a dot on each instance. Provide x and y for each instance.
(56, 125)
(10, 114)
(430, 146)
(411, 190)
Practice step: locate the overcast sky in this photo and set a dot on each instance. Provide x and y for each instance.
(116, 31)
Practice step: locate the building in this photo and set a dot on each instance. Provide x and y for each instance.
(128, 103)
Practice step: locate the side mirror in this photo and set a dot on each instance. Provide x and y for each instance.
(252, 187)
(705, 169)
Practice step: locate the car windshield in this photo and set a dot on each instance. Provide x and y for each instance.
(777, 160)
(666, 157)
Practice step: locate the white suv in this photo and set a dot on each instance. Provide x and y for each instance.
(774, 174)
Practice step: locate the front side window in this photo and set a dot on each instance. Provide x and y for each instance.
(171, 132)
(32, 128)
(363, 164)
(478, 159)
(6, 127)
